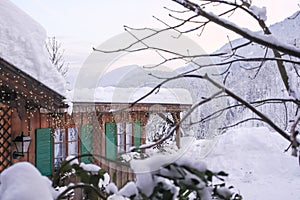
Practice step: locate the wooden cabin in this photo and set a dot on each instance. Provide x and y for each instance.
(115, 127)
(32, 109)
(99, 128)
(26, 106)
(109, 127)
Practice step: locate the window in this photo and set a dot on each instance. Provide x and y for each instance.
(65, 144)
(72, 142)
(54, 146)
(59, 147)
(124, 136)
(128, 136)
(121, 136)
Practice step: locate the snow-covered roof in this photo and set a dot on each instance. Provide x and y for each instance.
(129, 95)
(22, 43)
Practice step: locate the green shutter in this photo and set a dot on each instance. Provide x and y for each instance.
(86, 142)
(137, 130)
(111, 140)
(44, 151)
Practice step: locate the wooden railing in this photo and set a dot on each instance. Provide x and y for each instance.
(120, 173)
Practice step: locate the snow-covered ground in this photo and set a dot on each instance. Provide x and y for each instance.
(255, 161)
(254, 158)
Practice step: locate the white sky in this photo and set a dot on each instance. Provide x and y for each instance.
(81, 25)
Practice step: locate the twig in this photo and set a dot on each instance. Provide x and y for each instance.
(178, 124)
(240, 122)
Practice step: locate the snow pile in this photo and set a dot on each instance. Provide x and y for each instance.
(129, 190)
(24, 181)
(150, 173)
(255, 161)
(22, 43)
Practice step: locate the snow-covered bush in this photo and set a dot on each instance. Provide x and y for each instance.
(90, 177)
(182, 179)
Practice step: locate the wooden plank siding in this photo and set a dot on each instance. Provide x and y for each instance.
(31, 103)
(30, 121)
(103, 115)
(35, 106)
(91, 115)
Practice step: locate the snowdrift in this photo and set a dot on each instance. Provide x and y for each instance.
(255, 161)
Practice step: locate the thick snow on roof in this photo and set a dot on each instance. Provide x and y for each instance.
(22, 43)
(129, 95)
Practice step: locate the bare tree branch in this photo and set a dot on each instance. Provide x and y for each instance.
(240, 122)
(257, 38)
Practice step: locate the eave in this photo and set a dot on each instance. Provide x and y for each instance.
(16, 84)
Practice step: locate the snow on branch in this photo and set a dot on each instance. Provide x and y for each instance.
(265, 40)
(261, 13)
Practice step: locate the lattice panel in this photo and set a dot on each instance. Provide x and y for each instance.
(5, 137)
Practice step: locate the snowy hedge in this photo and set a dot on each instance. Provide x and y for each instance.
(182, 179)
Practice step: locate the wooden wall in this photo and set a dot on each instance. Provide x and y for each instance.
(28, 122)
(95, 115)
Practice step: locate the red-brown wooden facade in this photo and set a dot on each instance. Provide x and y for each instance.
(27, 105)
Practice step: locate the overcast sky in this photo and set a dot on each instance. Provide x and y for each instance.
(81, 25)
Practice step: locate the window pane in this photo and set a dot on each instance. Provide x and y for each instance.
(72, 141)
(59, 147)
(120, 128)
(128, 136)
(120, 137)
(59, 135)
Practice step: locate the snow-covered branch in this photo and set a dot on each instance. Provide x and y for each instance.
(266, 40)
